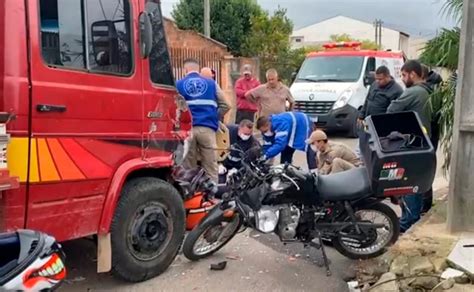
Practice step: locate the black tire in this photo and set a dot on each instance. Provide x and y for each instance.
(395, 225)
(140, 250)
(195, 234)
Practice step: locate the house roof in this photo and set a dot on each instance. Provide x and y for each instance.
(197, 33)
(391, 27)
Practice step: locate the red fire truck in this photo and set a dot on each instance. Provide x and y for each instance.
(90, 127)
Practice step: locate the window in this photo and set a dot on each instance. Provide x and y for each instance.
(297, 40)
(160, 62)
(371, 67)
(92, 35)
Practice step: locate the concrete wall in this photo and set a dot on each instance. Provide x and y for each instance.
(416, 48)
(461, 188)
(322, 31)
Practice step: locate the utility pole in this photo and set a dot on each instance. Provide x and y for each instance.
(207, 18)
(461, 183)
(378, 32)
(376, 25)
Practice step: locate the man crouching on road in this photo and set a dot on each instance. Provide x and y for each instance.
(333, 157)
(284, 134)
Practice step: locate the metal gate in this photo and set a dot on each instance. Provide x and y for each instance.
(206, 59)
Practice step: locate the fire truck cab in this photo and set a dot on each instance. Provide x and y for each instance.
(92, 125)
(332, 85)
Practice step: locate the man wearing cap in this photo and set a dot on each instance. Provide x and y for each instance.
(272, 97)
(284, 134)
(245, 109)
(332, 157)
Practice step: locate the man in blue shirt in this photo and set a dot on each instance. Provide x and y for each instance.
(284, 133)
(201, 96)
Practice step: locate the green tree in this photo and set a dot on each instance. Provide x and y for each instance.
(269, 40)
(443, 51)
(230, 19)
(366, 44)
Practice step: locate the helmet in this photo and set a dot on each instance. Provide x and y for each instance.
(30, 261)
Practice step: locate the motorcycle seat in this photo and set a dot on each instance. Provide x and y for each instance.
(348, 185)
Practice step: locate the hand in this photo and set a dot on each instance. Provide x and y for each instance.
(360, 122)
(222, 127)
(222, 169)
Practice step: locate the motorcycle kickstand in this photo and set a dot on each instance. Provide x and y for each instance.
(323, 251)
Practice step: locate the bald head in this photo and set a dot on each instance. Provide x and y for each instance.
(191, 65)
(207, 72)
(272, 77)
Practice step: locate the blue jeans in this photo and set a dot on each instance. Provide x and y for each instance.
(411, 210)
(287, 157)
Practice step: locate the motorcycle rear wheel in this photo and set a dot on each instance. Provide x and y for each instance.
(377, 242)
(215, 234)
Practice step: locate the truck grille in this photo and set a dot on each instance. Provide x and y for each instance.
(314, 107)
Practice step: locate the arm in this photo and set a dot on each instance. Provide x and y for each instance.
(222, 103)
(397, 93)
(400, 104)
(290, 99)
(239, 89)
(363, 110)
(282, 134)
(253, 95)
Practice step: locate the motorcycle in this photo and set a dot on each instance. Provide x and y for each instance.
(300, 207)
(30, 261)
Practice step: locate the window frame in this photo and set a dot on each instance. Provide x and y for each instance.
(84, 27)
(173, 77)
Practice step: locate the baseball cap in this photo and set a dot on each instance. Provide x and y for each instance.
(247, 69)
(317, 135)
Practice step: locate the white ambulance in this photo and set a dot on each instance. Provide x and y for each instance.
(331, 85)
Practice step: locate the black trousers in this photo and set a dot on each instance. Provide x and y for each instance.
(287, 157)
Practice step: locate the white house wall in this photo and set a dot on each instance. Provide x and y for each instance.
(321, 32)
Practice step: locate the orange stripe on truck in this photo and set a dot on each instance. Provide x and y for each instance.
(67, 168)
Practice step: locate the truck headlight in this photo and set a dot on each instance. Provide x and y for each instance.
(343, 99)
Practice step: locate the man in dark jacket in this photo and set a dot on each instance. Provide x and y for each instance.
(415, 98)
(382, 92)
(432, 80)
(240, 136)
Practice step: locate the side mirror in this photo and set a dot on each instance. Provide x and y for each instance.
(369, 78)
(146, 35)
(293, 76)
(105, 43)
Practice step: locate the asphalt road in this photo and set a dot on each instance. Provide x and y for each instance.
(255, 262)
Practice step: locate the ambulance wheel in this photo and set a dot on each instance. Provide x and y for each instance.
(147, 229)
(354, 130)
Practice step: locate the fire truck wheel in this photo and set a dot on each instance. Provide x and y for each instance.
(147, 229)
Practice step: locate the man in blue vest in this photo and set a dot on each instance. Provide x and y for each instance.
(284, 133)
(201, 96)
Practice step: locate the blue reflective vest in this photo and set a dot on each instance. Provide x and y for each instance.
(201, 96)
(289, 129)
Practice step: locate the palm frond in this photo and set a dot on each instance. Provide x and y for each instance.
(453, 9)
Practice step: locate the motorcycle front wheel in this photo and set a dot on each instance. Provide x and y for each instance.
(209, 237)
(374, 242)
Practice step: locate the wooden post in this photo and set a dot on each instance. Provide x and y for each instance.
(461, 187)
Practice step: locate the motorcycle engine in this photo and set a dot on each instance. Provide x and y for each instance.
(288, 222)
